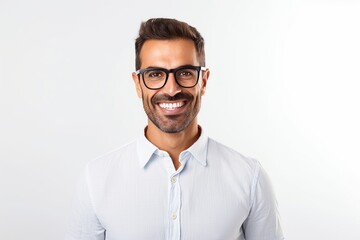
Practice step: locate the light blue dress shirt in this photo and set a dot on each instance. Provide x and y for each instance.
(135, 193)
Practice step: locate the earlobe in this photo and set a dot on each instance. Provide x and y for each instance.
(137, 84)
(205, 78)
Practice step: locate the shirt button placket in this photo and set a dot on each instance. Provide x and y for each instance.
(174, 208)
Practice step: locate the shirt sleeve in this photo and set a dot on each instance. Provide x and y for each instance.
(263, 222)
(84, 224)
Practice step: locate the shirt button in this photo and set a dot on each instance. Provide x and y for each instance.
(173, 216)
(173, 179)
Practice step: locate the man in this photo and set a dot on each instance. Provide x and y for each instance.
(173, 182)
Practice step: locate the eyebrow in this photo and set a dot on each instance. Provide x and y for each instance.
(153, 67)
(186, 65)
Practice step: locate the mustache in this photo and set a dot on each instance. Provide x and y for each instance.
(167, 98)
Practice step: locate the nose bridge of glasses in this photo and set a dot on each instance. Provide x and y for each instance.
(173, 71)
(171, 81)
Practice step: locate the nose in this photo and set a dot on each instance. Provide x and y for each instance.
(171, 87)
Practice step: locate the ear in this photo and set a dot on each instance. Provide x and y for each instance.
(137, 84)
(205, 78)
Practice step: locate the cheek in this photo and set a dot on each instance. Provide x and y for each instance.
(143, 92)
(147, 97)
(198, 92)
(197, 97)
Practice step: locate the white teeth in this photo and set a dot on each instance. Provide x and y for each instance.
(171, 106)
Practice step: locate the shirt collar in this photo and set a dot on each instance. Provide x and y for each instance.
(145, 149)
(199, 149)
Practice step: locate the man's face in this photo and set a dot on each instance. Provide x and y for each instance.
(171, 108)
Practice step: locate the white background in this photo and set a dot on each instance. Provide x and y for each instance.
(284, 88)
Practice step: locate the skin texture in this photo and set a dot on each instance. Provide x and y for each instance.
(171, 130)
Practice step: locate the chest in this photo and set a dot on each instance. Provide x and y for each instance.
(179, 206)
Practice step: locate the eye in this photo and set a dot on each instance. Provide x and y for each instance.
(156, 74)
(186, 74)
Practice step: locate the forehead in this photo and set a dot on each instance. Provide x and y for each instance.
(168, 53)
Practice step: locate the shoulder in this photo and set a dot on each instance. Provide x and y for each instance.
(231, 163)
(230, 155)
(112, 159)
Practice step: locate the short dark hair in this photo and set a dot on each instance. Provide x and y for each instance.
(167, 29)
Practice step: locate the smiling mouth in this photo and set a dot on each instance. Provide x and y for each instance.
(171, 106)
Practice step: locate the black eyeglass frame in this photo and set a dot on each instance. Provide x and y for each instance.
(168, 71)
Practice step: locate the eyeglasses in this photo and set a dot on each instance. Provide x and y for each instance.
(156, 78)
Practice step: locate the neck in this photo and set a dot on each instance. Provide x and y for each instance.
(173, 143)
